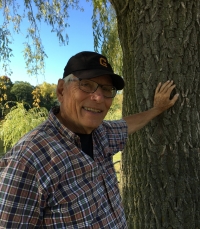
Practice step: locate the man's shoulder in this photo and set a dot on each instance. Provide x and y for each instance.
(114, 127)
(110, 124)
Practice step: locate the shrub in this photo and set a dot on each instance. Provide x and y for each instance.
(19, 121)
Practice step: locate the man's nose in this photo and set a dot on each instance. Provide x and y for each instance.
(98, 95)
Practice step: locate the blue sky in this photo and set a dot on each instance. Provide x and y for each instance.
(80, 39)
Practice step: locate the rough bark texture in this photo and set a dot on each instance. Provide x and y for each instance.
(161, 163)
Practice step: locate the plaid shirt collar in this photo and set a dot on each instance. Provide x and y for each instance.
(64, 131)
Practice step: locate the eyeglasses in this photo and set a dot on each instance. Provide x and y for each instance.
(91, 86)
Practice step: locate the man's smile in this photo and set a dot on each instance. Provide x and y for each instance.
(92, 109)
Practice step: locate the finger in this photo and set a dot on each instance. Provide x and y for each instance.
(166, 86)
(158, 88)
(161, 86)
(170, 89)
(174, 99)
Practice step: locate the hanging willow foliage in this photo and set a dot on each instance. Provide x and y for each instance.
(105, 32)
(14, 12)
(55, 14)
(19, 121)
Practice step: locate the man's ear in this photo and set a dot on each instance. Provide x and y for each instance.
(60, 89)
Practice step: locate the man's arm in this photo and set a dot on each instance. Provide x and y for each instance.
(162, 102)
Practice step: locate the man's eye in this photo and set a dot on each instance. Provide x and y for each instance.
(85, 84)
(107, 89)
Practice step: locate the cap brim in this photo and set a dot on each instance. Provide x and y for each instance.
(117, 80)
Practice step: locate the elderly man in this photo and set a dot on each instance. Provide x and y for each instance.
(60, 175)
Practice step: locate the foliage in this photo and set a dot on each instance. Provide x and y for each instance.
(5, 86)
(22, 92)
(5, 50)
(105, 33)
(4, 83)
(115, 111)
(36, 97)
(55, 14)
(44, 95)
(14, 12)
(19, 121)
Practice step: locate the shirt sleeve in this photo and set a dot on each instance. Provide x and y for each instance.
(112, 136)
(21, 199)
(118, 134)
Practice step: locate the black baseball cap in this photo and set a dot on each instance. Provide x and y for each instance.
(87, 65)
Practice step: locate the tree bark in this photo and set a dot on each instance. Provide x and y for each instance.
(161, 163)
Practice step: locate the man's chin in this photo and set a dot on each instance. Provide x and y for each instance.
(90, 128)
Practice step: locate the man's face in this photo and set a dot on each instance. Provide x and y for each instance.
(80, 111)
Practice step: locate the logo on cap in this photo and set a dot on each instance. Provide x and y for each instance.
(103, 62)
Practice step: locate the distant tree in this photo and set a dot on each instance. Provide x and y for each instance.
(44, 95)
(22, 92)
(115, 111)
(5, 87)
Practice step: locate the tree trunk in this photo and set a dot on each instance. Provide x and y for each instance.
(161, 163)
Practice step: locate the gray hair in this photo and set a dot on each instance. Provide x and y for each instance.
(68, 78)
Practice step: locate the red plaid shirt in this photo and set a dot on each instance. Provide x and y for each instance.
(46, 181)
